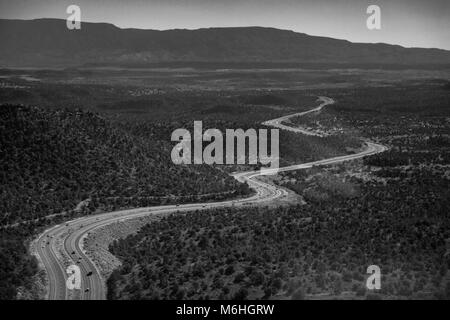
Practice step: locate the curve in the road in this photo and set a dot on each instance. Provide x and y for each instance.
(61, 245)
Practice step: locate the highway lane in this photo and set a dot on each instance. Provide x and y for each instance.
(278, 122)
(62, 245)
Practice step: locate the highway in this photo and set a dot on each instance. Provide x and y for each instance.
(278, 122)
(61, 245)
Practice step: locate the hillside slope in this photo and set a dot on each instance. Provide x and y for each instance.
(53, 160)
(59, 164)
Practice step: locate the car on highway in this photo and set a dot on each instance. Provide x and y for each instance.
(89, 274)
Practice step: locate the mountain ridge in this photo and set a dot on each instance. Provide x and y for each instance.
(47, 42)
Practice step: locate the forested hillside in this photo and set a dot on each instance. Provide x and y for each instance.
(53, 160)
(389, 209)
(321, 249)
(58, 164)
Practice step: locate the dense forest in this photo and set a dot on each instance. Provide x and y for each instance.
(322, 248)
(156, 113)
(390, 209)
(59, 163)
(56, 164)
(53, 160)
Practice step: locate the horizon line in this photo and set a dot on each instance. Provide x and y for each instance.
(234, 27)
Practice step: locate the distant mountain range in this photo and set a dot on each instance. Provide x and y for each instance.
(47, 42)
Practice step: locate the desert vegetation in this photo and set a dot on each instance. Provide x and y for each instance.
(57, 164)
(322, 248)
(102, 142)
(389, 209)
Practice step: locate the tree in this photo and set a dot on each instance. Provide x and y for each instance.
(241, 294)
(298, 295)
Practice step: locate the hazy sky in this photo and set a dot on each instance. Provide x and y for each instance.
(411, 23)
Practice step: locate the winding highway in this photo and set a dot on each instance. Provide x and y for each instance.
(62, 245)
